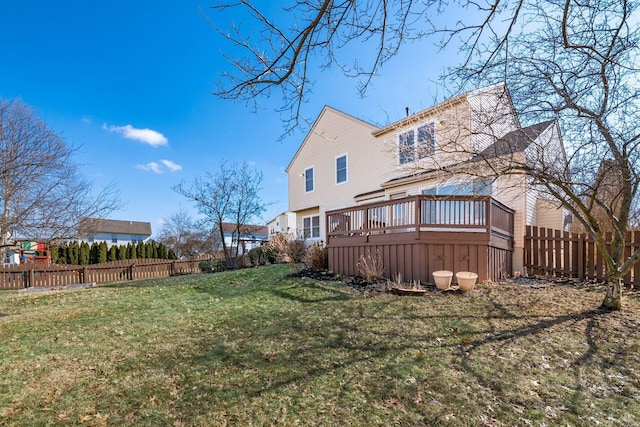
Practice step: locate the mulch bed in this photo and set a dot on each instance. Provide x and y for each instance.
(382, 286)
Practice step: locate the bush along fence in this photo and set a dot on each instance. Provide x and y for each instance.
(560, 253)
(55, 276)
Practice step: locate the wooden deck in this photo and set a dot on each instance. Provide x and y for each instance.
(417, 235)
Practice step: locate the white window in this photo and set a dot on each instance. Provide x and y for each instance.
(476, 187)
(311, 227)
(308, 180)
(341, 169)
(416, 143)
(452, 211)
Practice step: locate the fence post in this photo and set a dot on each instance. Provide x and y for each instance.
(557, 249)
(535, 250)
(581, 257)
(32, 278)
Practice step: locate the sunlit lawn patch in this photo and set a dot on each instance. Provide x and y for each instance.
(257, 347)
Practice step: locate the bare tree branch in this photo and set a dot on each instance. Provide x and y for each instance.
(42, 194)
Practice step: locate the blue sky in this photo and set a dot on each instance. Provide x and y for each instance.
(129, 84)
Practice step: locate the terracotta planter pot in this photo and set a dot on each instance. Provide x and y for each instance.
(466, 280)
(442, 279)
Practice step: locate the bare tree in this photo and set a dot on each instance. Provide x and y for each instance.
(575, 62)
(274, 57)
(231, 194)
(578, 63)
(42, 194)
(186, 237)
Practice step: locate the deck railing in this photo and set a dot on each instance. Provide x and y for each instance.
(481, 214)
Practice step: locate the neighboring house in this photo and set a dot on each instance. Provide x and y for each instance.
(114, 232)
(421, 171)
(251, 236)
(283, 223)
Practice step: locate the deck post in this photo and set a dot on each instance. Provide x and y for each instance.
(418, 218)
(489, 210)
(365, 223)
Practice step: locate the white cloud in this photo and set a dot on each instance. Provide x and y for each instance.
(160, 167)
(150, 167)
(148, 136)
(173, 167)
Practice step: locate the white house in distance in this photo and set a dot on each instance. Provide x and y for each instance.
(114, 232)
(285, 222)
(251, 236)
(356, 171)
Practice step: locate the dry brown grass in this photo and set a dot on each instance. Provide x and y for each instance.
(370, 266)
(258, 347)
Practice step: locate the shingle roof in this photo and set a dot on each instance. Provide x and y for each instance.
(94, 226)
(514, 141)
(246, 230)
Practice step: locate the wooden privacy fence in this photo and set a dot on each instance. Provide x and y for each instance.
(560, 253)
(35, 275)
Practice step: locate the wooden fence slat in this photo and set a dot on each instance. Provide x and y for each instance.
(35, 275)
(557, 248)
(535, 250)
(557, 253)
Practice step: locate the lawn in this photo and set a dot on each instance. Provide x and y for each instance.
(257, 347)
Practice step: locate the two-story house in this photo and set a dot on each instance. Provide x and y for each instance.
(248, 237)
(441, 175)
(114, 232)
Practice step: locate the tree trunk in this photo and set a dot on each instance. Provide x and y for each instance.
(613, 299)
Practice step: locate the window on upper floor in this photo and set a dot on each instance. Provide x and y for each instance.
(311, 227)
(341, 169)
(308, 180)
(416, 143)
(114, 238)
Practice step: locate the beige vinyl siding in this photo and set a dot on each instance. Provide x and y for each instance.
(544, 153)
(549, 214)
(511, 191)
(452, 138)
(335, 134)
(493, 115)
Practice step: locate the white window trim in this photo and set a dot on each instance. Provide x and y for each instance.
(346, 170)
(414, 128)
(311, 227)
(313, 180)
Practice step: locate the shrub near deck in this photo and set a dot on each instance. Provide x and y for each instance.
(257, 347)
